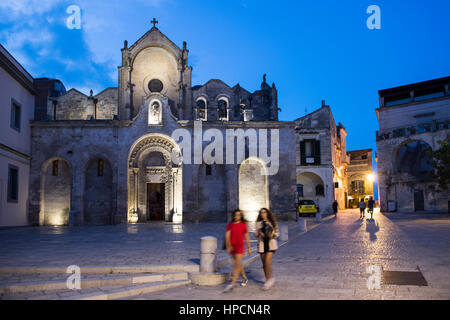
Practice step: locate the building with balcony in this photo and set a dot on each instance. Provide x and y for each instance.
(322, 159)
(412, 120)
(359, 176)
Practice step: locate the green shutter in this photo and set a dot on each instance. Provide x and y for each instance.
(317, 152)
(302, 153)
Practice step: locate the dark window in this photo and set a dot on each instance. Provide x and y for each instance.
(401, 132)
(222, 109)
(55, 169)
(307, 202)
(320, 191)
(13, 183)
(15, 115)
(155, 85)
(201, 109)
(310, 152)
(397, 100)
(247, 147)
(100, 168)
(208, 170)
(358, 187)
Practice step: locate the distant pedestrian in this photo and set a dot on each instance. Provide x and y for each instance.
(362, 209)
(335, 207)
(267, 232)
(235, 234)
(371, 204)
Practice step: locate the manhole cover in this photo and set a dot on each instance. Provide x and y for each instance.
(404, 278)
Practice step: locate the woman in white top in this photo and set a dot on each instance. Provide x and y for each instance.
(267, 233)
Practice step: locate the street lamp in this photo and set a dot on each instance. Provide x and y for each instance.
(371, 177)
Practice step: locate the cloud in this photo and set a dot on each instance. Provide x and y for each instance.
(34, 31)
(25, 8)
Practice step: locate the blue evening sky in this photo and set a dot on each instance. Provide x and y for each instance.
(312, 50)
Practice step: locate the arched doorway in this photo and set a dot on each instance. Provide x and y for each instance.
(253, 188)
(98, 193)
(55, 192)
(155, 180)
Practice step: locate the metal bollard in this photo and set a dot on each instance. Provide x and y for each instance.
(284, 233)
(318, 217)
(302, 224)
(208, 257)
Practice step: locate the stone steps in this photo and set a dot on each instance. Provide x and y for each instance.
(129, 291)
(100, 281)
(103, 269)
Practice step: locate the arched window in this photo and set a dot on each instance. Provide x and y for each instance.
(201, 110)
(320, 191)
(222, 109)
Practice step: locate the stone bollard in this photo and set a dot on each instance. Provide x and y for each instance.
(284, 233)
(208, 249)
(302, 224)
(318, 217)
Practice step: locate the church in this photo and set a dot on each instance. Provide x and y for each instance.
(113, 157)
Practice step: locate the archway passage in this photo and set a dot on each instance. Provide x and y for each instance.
(253, 188)
(311, 185)
(56, 191)
(154, 180)
(98, 193)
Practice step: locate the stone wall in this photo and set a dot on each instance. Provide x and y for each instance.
(75, 105)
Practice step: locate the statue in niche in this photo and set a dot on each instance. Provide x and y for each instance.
(155, 113)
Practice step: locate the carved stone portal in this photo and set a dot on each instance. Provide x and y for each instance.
(140, 174)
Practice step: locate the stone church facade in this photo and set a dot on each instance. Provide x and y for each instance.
(109, 158)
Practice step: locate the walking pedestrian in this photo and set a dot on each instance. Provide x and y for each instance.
(335, 206)
(362, 209)
(235, 234)
(371, 204)
(267, 233)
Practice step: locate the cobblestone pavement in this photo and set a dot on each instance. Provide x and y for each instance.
(330, 261)
(141, 244)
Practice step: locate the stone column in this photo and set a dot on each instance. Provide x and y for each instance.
(284, 233)
(208, 249)
(136, 184)
(302, 224)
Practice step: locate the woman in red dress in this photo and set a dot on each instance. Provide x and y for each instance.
(234, 239)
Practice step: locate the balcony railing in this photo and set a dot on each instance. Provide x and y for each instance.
(410, 130)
